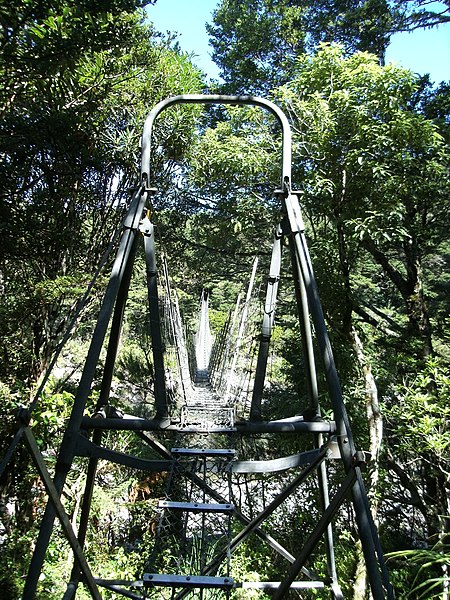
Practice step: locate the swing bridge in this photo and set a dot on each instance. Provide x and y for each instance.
(228, 485)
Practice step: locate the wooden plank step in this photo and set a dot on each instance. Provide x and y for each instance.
(186, 581)
(196, 506)
(203, 452)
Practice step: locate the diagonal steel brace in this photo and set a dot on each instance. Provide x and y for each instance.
(60, 512)
(272, 542)
(316, 534)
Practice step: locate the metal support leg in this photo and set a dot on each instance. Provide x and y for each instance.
(328, 534)
(306, 335)
(315, 536)
(162, 411)
(111, 355)
(267, 325)
(54, 499)
(67, 450)
(366, 528)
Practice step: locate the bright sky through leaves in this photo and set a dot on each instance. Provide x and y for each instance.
(423, 51)
(188, 19)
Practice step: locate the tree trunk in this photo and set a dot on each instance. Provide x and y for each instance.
(411, 290)
(360, 587)
(375, 423)
(344, 261)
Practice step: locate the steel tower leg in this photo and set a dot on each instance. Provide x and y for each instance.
(67, 449)
(306, 336)
(366, 527)
(111, 355)
(267, 325)
(314, 407)
(162, 411)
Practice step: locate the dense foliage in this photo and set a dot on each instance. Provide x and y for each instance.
(370, 161)
(256, 42)
(77, 82)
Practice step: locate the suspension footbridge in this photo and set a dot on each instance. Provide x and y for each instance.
(229, 489)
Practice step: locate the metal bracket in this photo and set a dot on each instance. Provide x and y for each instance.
(146, 226)
(187, 581)
(333, 448)
(359, 459)
(150, 190)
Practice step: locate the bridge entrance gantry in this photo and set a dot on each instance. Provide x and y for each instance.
(211, 465)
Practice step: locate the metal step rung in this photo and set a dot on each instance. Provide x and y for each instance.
(187, 581)
(208, 406)
(203, 452)
(273, 585)
(196, 506)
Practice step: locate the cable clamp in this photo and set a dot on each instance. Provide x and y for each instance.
(359, 459)
(145, 226)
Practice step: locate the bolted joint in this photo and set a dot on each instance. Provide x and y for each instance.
(145, 187)
(152, 191)
(100, 414)
(279, 193)
(263, 337)
(359, 459)
(23, 416)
